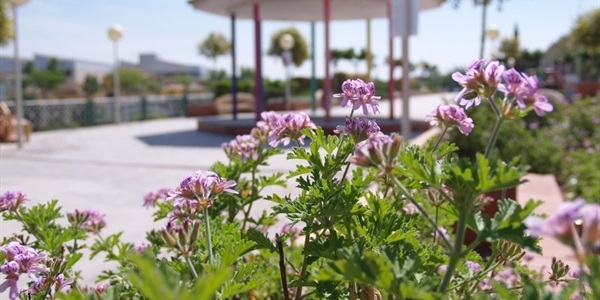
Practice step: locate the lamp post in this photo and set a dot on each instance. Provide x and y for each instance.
(115, 33)
(286, 42)
(493, 33)
(18, 80)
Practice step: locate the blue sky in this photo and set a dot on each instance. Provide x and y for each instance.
(447, 36)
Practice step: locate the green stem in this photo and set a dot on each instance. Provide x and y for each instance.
(492, 142)
(437, 143)
(304, 265)
(421, 210)
(192, 269)
(252, 196)
(499, 120)
(437, 213)
(456, 252)
(207, 233)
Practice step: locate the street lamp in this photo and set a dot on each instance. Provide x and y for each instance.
(18, 80)
(493, 33)
(115, 33)
(286, 42)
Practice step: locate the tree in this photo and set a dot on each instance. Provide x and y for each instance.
(90, 85)
(339, 54)
(509, 47)
(484, 4)
(299, 51)
(5, 24)
(587, 31)
(132, 81)
(215, 45)
(49, 79)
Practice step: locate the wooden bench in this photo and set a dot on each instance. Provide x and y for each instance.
(9, 123)
(245, 103)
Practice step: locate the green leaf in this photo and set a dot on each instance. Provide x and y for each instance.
(158, 281)
(262, 242)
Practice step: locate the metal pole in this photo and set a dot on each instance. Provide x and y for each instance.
(327, 82)
(406, 130)
(116, 85)
(368, 54)
(391, 62)
(233, 71)
(288, 97)
(257, 63)
(313, 78)
(18, 84)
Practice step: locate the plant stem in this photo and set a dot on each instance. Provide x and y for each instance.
(437, 143)
(282, 271)
(492, 142)
(456, 252)
(189, 262)
(421, 210)
(304, 264)
(437, 213)
(207, 233)
(253, 195)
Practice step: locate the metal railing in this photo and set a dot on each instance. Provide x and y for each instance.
(75, 112)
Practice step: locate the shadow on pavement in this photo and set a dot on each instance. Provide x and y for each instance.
(191, 138)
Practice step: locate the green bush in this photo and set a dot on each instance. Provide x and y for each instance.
(527, 138)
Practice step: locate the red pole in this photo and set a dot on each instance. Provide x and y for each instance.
(257, 63)
(391, 61)
(327, 80)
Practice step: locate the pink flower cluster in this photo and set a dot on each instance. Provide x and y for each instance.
(359, 128)
(451, 115)
(243, 146)
(283, 128)
(197, 191)
(359, 94)
(482, 81)
(20, 260)
(562, 224)
(12, 200)
(524, 89)
(151, 198)
(90, 220)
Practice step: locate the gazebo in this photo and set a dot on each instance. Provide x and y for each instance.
(399, 13)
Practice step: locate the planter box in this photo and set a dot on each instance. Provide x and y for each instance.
(485, 249)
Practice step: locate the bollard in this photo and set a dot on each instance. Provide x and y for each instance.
(90, 112)
(144, 108)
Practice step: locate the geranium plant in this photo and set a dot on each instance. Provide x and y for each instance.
(372, 218)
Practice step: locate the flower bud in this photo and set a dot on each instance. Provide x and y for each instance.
(559, 269)
(195, 233)
(395, 145)
(169, 239)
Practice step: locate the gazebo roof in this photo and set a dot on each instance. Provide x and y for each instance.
(303, 10)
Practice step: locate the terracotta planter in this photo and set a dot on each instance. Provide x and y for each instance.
(485, 248)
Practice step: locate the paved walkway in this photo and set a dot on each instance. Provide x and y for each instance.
(111, 168)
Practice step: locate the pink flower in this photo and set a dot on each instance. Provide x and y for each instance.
(473, 266)
(359, 94)
(470, 81)
(493, 74)
(62, 283)
(289, 128)
(359, 128)
(243, 146)
(90, 220)
(11, 200)
(20, 260)
(202, 187)
(451, 115)
(151, 198)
